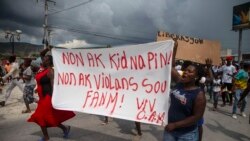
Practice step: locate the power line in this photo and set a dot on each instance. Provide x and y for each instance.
(83, 3)
(98, 34)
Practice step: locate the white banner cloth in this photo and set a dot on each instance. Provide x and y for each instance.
(128, 82)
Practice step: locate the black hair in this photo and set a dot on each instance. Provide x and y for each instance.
(199, 69)
(50, 59)
(200, 72)
(12, 59)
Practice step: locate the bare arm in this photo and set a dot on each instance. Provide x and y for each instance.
(174, 73)
(13, 68)
(51, 77)
(198, 111)
(43, 52)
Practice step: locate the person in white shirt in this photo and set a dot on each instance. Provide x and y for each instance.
(28, 91)
(216, 90)
(14, 73)
(228, 71)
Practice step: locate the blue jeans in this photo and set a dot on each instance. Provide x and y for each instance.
(177, 136)
(216, 98)
(237, 95)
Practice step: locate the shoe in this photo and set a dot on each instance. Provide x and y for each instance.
(66, 133)
(234, 116)
(41, 139)
(243, 114)
(2, 103)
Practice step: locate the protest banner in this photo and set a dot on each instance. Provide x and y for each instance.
(128, 82)
(194, 49)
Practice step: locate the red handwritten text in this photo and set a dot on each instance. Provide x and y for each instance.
(107, 82)
(107, 100)
(146, 111)
(70, 58)
(66, 78)
(95, 60)
(139, 62)
(155, 87)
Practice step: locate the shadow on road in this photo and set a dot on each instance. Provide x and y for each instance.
(234, 135)
(79, 134)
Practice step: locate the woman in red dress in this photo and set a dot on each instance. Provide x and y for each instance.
(45, 115)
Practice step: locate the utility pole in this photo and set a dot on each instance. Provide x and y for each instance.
(45, 25)
(239, 47)
(49, 36)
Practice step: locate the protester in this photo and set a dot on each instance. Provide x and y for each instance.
(240, 85)
(28, 91)
(14, 73)
(228, 71)
(216, 90)
(187, 104)
(45, 115)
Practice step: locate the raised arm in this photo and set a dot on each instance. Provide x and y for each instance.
(174, 73)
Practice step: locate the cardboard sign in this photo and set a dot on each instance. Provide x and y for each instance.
(194, 49)
(128, 82)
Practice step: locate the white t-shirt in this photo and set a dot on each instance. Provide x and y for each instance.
(227, 70)
(29, 72)
(216, 85)
(14, 71)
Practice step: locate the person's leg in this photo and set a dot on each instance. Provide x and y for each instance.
(9, 90)
(19, 84)
(210, 91)
(216, 97)
(28, 97)
(138, 128)
(65, 130)
(26, 102)
(230, 93)
(236, 98)
(223, 96)
(168, 136)
(106, 120)
(243, 106)
(45, 133)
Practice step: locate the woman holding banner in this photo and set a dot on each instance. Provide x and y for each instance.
(187, 104)
(45, 115)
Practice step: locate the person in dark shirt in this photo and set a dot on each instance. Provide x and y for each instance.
(187, 104)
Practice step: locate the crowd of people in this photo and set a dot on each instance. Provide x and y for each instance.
(190, 82)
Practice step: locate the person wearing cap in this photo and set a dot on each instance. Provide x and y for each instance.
(240, 84)
(14, 73)
(228, 71)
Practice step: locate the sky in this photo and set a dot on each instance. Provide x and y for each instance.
(120, 22)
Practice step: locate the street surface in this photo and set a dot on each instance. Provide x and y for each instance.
(219, 126)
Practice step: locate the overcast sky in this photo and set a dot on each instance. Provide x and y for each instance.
(115, 22)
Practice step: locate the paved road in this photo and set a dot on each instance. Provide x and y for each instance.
(219, 126)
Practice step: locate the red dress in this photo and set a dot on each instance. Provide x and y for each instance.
(45, 115)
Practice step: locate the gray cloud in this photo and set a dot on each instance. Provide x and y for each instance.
(132, 20)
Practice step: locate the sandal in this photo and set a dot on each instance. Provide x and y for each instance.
(66, 133)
